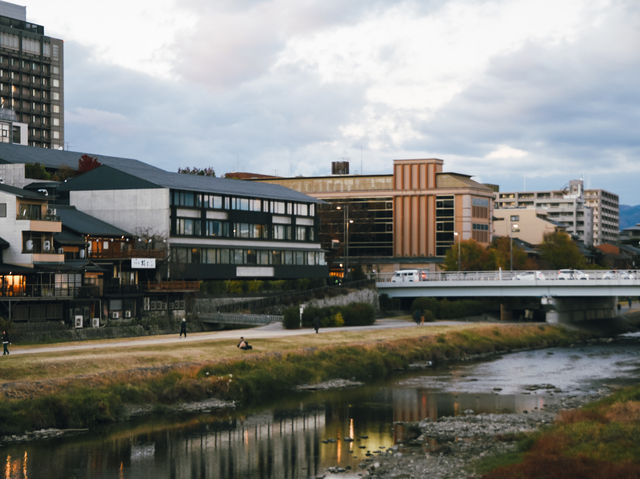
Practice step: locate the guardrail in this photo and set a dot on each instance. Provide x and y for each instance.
(238, 318)
(532, 276)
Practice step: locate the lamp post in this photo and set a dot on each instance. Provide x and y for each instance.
(457, 239)
(345, 231)
(513, 228)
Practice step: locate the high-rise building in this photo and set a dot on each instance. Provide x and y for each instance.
(589, 215)
(31, 77)
(606, 215)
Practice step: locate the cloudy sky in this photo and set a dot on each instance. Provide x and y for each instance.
(527, 94)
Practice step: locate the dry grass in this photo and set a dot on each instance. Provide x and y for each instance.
(134, 355)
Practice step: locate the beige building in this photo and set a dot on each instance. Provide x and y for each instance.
(407, 219)
(566, 207)
(606, 215)
(526, 224)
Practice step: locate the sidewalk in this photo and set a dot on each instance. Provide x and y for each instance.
(271, 330)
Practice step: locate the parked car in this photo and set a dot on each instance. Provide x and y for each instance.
(572, 274)
(530, 275)
(405, 276)
(610, 275)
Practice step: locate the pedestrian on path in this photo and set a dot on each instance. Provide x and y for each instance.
(316, 324)
(183, 328)
(5, 343)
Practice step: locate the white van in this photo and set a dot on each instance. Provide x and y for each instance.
(406, 276)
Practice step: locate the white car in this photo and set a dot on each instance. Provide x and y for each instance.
(530, 275)
(572, 274)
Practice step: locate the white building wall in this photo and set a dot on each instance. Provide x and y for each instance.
(135, 211)
(11, 230)
(13, 174)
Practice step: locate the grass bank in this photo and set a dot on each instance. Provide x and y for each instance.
(597, 441)
(85, 389)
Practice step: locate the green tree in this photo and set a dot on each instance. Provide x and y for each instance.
(473, 257)
(558, 250)
(501, 252)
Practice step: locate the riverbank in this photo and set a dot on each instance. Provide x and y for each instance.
(86, 388)
(592, 435)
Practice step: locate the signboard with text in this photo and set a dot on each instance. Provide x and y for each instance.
(143, 263)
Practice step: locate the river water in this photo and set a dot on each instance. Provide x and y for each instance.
(306, 433)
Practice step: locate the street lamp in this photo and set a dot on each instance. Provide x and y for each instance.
(513, 228)
(455, 235)
(345, 232)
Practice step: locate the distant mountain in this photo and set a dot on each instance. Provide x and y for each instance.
(629, 216)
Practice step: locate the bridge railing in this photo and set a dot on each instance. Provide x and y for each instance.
(530, 275)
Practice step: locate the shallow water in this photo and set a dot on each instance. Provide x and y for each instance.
(304, 434)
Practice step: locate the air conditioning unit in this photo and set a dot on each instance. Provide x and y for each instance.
(115, 314)
(51, 211)
(95, 322)
(46, 245)
(127, 314)
(78, 321)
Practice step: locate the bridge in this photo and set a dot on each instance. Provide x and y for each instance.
(563, 296)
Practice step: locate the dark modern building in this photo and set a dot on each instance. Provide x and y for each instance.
(32, 77)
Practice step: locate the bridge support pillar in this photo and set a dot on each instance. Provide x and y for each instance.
(506, 313)
(579, 309)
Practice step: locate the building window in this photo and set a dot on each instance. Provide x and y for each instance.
(3, 210)
(445, 222)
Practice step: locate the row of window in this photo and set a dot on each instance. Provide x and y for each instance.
(191, 199)
(224, 229)
(29, 45)
(242, 256)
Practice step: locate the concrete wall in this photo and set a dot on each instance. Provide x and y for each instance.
(135, 211)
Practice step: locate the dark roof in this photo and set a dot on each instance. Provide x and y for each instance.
(10, 153)
(107, 177)
(138, 174)
(6, 268)
(66, 237)
(4, 243)
(21, 192)
(81, 223)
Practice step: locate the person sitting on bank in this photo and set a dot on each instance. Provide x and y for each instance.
(244, 344)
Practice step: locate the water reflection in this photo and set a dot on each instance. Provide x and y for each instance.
(306, 434)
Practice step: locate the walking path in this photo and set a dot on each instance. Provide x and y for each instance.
(272, 330)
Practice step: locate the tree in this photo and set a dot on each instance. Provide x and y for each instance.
(473, 257)
(558, 251)
(197, 171)
(501, 252)
(87, 163)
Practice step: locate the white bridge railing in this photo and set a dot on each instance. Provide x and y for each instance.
(614, 276)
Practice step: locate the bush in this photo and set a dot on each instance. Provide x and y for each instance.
(358, 314)
(291, 318)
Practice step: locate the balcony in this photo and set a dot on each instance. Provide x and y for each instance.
(116, 253)
(184, 286)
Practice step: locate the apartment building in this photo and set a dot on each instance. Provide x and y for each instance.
(31, 77)
(567, 207)
(406, 219)
(606, 215)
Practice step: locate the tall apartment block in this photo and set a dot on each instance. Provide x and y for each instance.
(31, 77)
(606, 215)
(590, 215)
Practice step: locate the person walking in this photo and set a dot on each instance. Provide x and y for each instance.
(5, 342)
(316, 324)
(183, 328)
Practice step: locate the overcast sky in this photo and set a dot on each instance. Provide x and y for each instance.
(527, 94)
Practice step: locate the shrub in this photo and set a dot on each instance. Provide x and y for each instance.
(358, 314)
(291, 319)
(428, 316)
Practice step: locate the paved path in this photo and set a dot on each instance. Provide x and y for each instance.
(272, 330)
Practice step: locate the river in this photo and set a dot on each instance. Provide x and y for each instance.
(304, 434)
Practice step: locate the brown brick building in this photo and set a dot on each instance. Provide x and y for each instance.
(407, 219)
